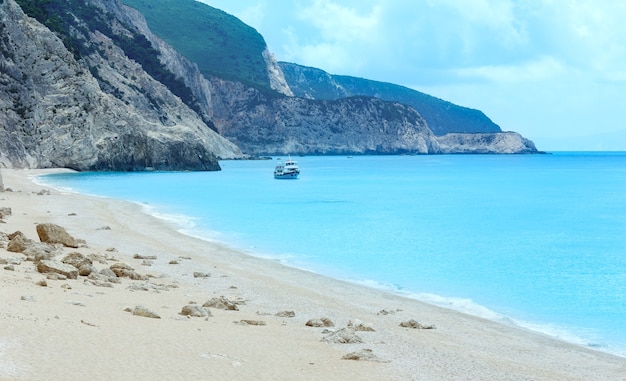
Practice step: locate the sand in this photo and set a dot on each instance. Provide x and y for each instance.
(73, 329)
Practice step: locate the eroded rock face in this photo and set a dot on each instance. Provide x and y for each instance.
(501, 143)
(54, 112)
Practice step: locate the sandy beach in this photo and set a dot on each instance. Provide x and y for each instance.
(256, 319)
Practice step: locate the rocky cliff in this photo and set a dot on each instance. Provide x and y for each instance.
(442, 117)
(93, 111)
(91, 87)
(501, 142)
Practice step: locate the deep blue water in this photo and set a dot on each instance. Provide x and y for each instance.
(539, 240)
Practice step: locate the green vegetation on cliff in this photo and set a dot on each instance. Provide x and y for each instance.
(220, 44)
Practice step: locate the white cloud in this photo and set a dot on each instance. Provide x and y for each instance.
(539, 70)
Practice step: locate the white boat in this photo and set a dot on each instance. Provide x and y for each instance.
(288, 170)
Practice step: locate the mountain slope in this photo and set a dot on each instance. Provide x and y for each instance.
(220, 44)
(442, 117)
(77, 100)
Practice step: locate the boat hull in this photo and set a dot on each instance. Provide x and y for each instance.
(293, 175)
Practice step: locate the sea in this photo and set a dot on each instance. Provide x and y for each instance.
(537, 241)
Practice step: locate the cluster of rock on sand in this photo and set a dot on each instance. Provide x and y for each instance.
(53, 256)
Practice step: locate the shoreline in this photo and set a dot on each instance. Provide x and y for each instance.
(460, 347)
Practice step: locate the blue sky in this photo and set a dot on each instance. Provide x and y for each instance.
(552, 70)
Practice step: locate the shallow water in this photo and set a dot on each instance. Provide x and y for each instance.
(539, 240)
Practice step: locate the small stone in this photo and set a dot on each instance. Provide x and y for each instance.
(250, 322)
(197, 274)
(76, 259)
(415, 325)
(144, 312)
(363, 355)
(358, 325)
(56, 276)
(42, 283)
(286, 314)
(221, 303)
(137, 256)
(9, 268)
(195, 311)
(322, 322)
(86, 270)
(343, 336)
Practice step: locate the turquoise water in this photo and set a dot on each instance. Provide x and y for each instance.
(538, 240)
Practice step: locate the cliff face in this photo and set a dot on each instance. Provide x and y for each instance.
(99, 112)
(284, 125)
(503, 142)
(442, 117)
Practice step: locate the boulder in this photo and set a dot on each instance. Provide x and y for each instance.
(46, 266)
(195, 310)
(322, 322)
(286, 314)
(363, 355)
(415, 325)
(86, 270)
(4, 211)
(123, 270)
(17, 244)
(77, 260)
(358, 325)
(51, 233)
(343, 336)
(145, 312)
(221, 303)
(38, 251)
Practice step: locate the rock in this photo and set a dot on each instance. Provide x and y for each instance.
(42, 283)
(322, 322)
(4, 212)
(250, 322)
(55, 276)
(107, 273)
(415, 325)
(86, 270)
(358, 325)
(28, 298)
(17, 244)
(343, 336)
(137, 256)
(123, 270)
(9, 268)
(287, 314)
(77, 260)
(363, 355)
(38, 251)
(201, 275)
(51, 233)
(195, 311)
(221, 303)
(173, 262)
(483, 143)
(57, 267)
(145, 312)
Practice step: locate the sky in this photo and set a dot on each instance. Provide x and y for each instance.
(552, 70)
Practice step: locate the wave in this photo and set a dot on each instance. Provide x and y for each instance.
(585, 338)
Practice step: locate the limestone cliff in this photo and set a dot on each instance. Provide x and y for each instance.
(502, 142)
(98, 111)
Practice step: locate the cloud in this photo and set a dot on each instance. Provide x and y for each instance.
(538, 70)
